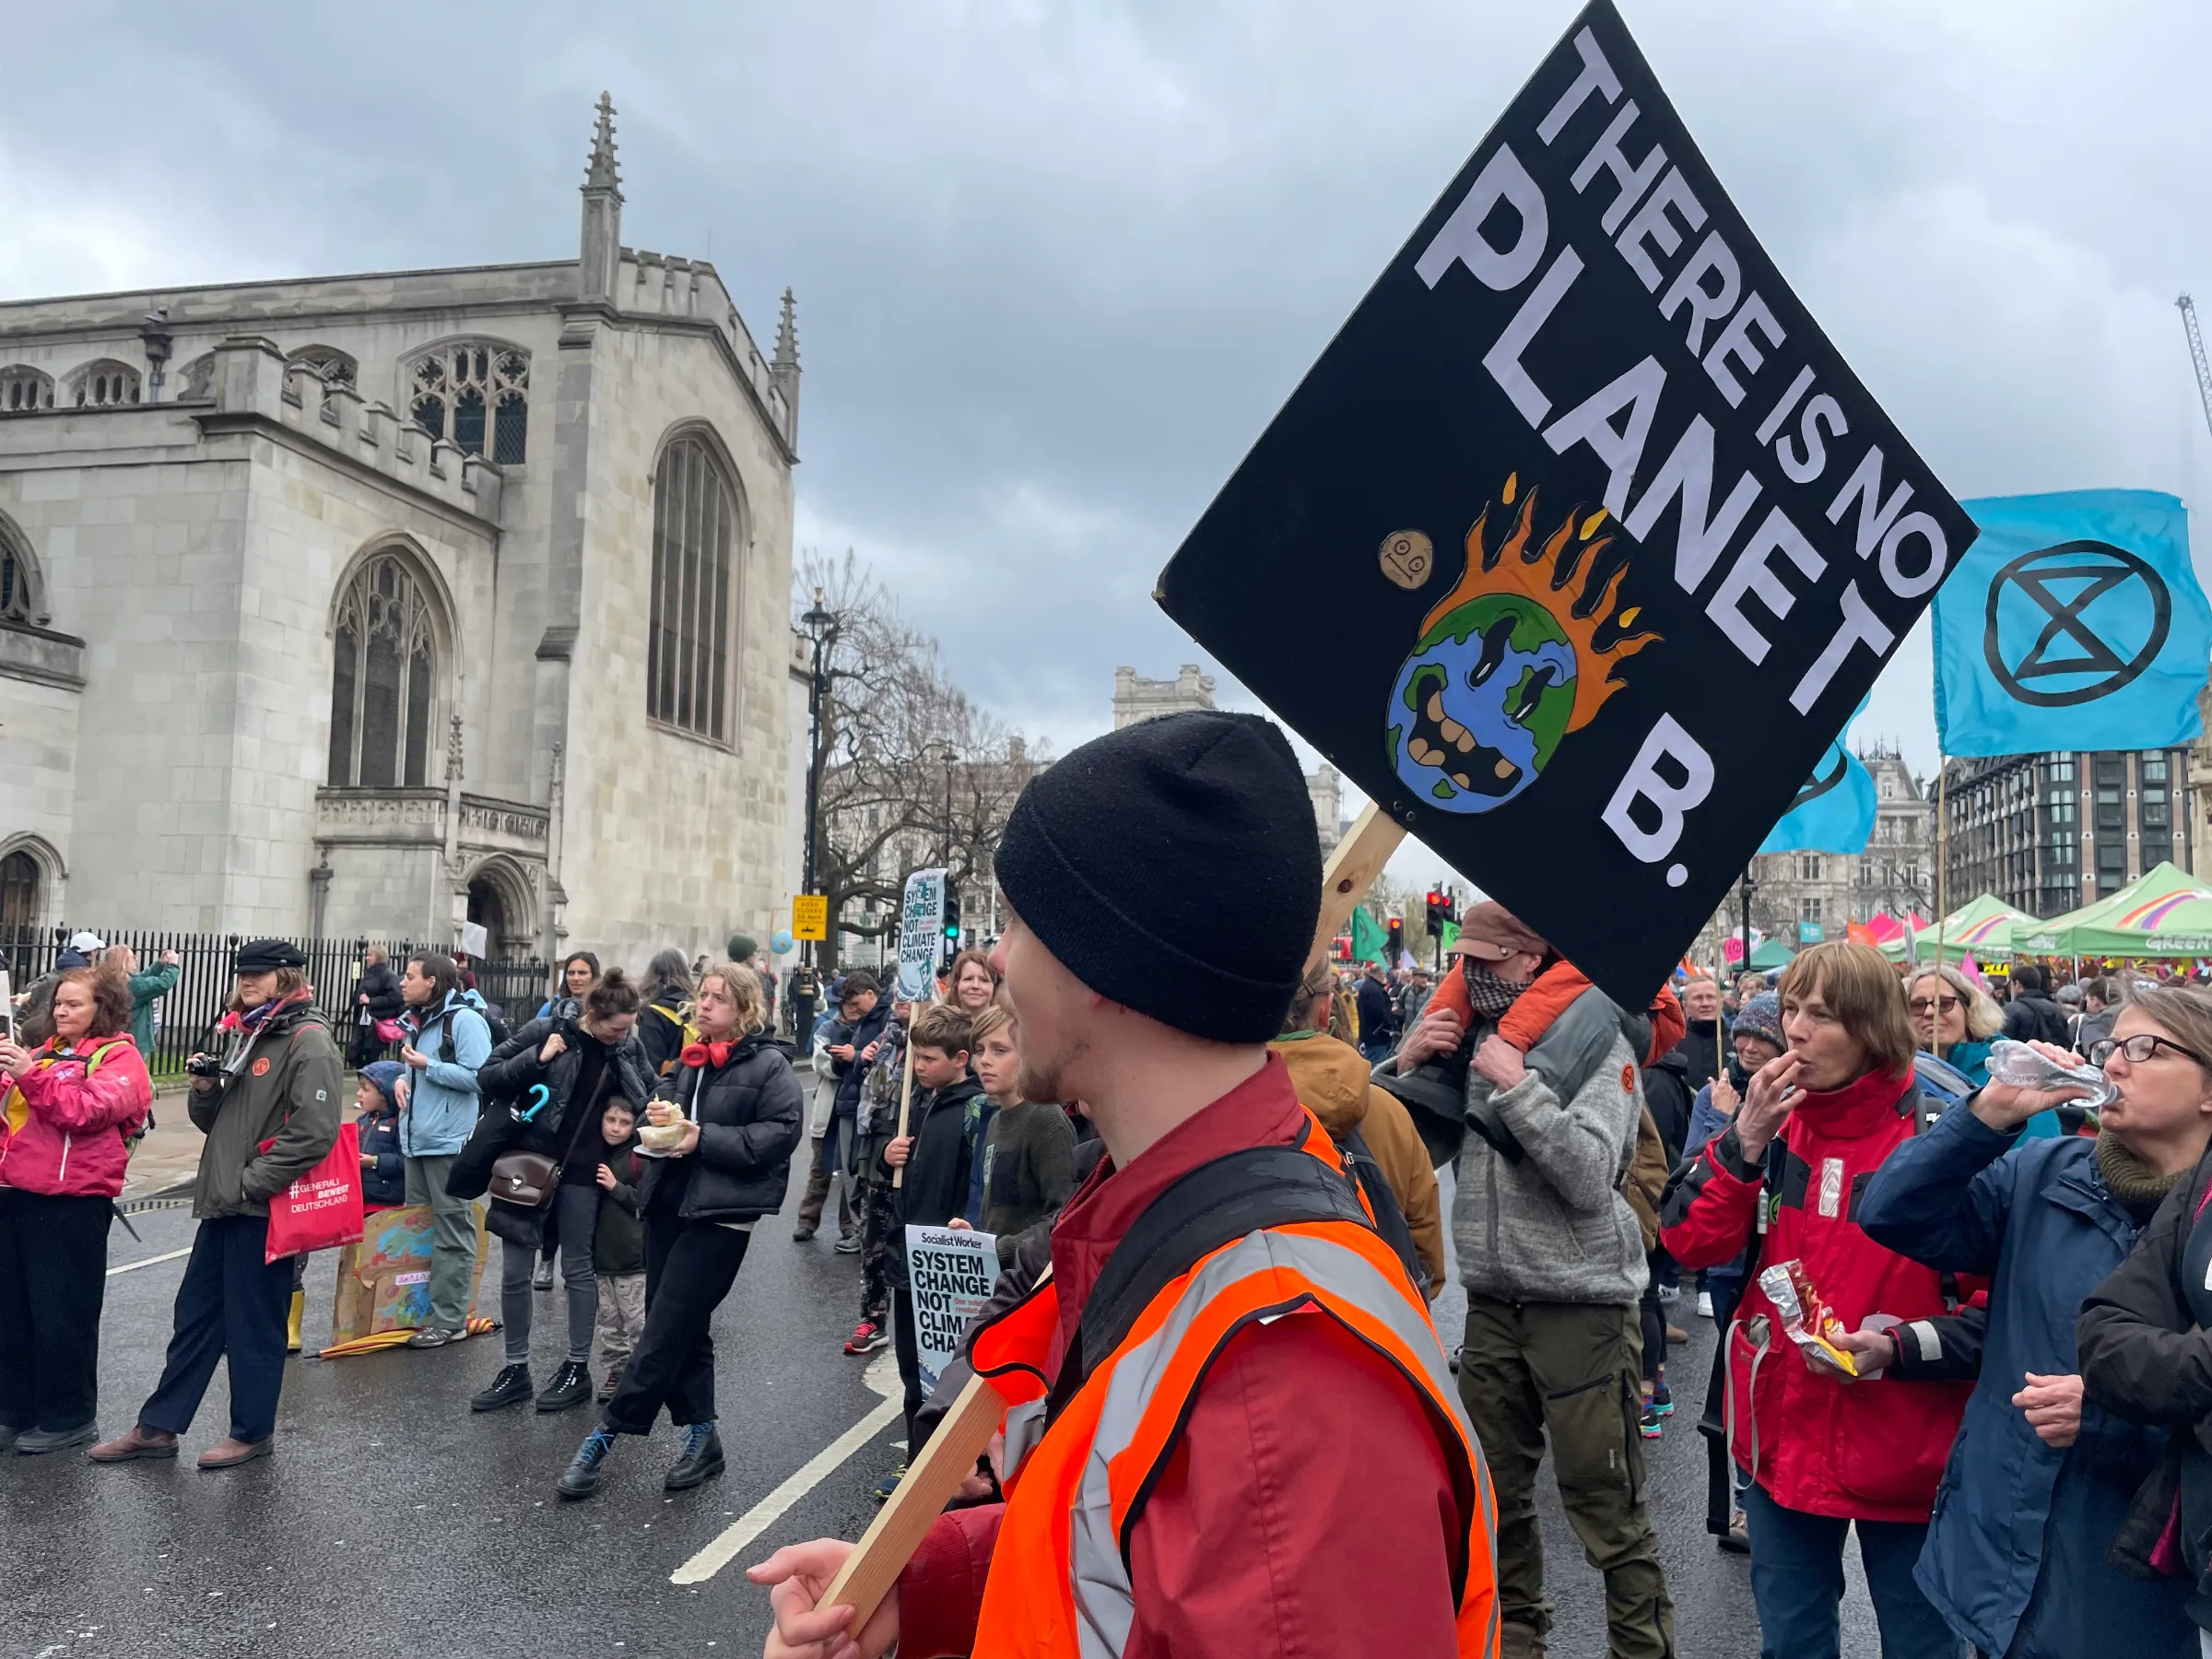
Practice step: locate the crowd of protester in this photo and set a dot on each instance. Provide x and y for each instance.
(2009, 1407)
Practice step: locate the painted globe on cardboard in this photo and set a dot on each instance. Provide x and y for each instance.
(1479, 707)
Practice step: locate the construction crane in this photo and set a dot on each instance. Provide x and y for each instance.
(2196, 354)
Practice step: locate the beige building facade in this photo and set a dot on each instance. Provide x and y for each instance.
(376, 604)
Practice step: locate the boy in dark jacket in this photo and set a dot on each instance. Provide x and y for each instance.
(875, 1122)
(383, 1170)
(618, 1246)
(933, 1155)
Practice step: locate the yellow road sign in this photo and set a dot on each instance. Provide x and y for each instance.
(810, 916)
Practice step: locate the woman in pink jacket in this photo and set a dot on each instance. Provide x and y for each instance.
(67, 1109)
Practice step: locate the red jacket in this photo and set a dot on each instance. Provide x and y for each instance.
(64, 1132)
(1307, 1466)
(1871, 1451)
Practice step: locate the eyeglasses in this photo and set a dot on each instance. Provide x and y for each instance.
(1920, 1004)
(2139, 1048)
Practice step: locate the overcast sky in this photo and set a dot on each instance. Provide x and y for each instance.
(1058, 262)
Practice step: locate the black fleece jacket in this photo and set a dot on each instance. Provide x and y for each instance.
(935, 1188)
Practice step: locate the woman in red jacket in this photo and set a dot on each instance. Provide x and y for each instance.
(70, 1106)
(1821, 1448)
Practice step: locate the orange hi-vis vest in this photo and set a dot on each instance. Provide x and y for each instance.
(1078, 1470)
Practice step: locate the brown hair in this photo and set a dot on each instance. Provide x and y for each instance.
(942, 1027)
(1320, 981)
(110, 989)
(290, 981)
(743, 986)
(977, 955)
(991, 1017)
(438, 968)
(611, 994)
(1860, 988)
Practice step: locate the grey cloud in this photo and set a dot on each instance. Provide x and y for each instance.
(1058, 264)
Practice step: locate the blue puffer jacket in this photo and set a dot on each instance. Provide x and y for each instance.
(2016, 1552)
(441, 1099)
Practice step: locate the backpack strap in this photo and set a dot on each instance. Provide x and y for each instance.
(1212, 1206)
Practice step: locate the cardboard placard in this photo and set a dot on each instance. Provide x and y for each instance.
(384, 1281)
(951, 1271)
(921, 934)
(1599, 539)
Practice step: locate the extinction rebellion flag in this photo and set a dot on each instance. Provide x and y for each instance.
(2076, 622)
(1579, 461)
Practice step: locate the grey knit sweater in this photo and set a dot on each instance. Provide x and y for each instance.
(1553, 1226)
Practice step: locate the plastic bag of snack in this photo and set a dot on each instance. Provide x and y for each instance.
(1805, 1319)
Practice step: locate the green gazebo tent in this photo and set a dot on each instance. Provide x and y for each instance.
(2165, 911)
(1982, 928)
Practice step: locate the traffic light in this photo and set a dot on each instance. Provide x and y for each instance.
(1450, 904)
(1395, 930)
(1440, 910)
(952, 921)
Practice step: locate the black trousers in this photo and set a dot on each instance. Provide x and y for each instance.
(53, 1278)
(907, 1348)
(230, 1303)
(690, 1268)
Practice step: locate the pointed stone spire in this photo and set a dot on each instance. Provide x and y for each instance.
(599, 254)
(602, 173)
(787, 334)
(784, 368)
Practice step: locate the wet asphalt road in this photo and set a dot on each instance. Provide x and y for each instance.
(393, 1522)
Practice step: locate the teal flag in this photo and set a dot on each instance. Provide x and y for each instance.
(2074, 619)
(1834, 810)
(1369, 943)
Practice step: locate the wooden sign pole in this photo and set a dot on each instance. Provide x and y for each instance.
(872, 1571)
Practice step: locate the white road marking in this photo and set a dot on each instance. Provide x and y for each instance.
(769, 1510)
(150, 1261)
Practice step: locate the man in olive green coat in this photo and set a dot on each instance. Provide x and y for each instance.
(277, 1085)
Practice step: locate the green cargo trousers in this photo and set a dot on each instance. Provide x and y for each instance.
(452, 1240)
(1573, 1369)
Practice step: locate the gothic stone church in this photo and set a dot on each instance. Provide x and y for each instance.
(371, 605)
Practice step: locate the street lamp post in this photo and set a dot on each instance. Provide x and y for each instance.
(820, 624)
(1749, 889)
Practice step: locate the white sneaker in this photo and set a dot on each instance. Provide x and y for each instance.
(1704, 1304)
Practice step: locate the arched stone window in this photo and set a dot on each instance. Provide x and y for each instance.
(23, 389)
(688, 672)
(336, 367)
(383, 677)
(106, 384)
(20, 597)
(476, 394)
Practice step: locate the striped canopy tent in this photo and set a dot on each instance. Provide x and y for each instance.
(2165, 911)
(1982, 928)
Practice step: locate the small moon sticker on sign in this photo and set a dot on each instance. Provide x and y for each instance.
(1408, 558)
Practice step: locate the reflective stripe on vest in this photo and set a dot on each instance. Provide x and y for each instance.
(1074, 1500)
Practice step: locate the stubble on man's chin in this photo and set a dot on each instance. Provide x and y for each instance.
(1043, 1080)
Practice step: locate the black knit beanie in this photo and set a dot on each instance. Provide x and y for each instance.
(1174, 867)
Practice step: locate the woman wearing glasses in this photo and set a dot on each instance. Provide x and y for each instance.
(1954, 1018)
(2041, 1478)
(2146, 1332)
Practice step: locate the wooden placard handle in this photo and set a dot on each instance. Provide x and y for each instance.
(963, 1435)
(1352, 870)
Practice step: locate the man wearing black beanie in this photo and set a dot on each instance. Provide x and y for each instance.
(1288, 1394)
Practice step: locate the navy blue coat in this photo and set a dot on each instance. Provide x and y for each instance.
(387, 1184)
(2018, 1537)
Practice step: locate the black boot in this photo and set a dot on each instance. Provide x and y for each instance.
(702, 1459)
(580, 1478)
(511, 1387)
(571, 1385)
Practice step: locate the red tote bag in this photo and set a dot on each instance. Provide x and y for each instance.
(322, 1209)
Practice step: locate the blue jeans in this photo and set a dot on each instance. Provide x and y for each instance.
(1797, 1582)
(1374, 1053)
